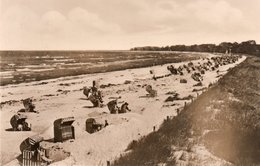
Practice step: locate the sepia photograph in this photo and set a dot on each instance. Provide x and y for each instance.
(129, 83)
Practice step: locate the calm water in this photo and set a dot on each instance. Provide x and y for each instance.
(26, 66)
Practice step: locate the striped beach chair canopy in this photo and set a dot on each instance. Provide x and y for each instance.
(64, 121)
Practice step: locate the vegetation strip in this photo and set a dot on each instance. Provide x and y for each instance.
(224, 119)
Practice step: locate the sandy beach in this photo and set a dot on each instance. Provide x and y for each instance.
(63, 97)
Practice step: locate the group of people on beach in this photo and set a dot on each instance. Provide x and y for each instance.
(198, 70)
(18, 121)
(95, 96)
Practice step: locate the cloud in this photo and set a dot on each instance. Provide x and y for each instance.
(26, 29)
(200, 16)
(53, 22)
(15, 24)
(117, 24)
(90, 21)
(219, 14)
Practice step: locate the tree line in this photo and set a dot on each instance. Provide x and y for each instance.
(246, 47)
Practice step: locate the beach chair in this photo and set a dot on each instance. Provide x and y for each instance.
(32, 153)
(92, 126)
(28, 105)
(18, 123)
(63, 129)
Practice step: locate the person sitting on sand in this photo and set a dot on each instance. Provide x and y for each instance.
(43, 156)
(94, 95)
(112, 106)
(151, 91)
(28, 105)
(124, 108)
(98, 95)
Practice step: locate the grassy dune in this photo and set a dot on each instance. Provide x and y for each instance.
(225, 119)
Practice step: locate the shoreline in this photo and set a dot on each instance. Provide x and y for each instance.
(45, 66)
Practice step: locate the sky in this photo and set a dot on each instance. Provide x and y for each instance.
(123, 24)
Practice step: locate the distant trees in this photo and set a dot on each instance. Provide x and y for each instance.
(246, 47)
